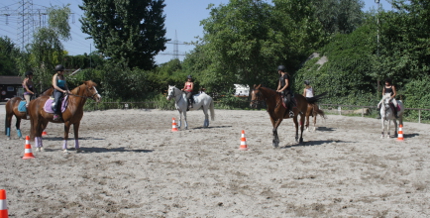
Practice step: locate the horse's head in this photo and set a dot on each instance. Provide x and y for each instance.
(172, 92)
(256, 96)
(91, 91)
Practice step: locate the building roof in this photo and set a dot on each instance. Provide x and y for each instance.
(10, 80)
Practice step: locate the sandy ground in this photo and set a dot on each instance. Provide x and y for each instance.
(133, 165)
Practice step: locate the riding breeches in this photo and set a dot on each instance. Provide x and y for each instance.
(56, 107)
(27, 99)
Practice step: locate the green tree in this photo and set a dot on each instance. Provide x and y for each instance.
(46, 49)
(8, 54)
(131, 31)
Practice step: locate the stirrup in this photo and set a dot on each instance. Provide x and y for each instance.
(291, 114)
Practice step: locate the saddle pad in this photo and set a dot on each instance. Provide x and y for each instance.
(22, 107)
(48, 105)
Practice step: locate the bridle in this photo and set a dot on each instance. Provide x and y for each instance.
(172, 94)
(259, 98)
(86, 97)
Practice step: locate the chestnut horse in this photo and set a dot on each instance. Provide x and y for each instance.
(313, 110)
(72, 115)
(12, 110)
(278, 112)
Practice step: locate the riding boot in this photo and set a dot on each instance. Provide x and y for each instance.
(190, 103)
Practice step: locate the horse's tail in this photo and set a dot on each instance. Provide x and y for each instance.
(318, 111)
(315, 99)
(211, 107)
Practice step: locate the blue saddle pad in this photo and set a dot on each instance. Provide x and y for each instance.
(22, 107)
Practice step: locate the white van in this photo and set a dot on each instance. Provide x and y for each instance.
(241, 90)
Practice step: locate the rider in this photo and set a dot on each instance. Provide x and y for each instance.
(28, 86)
(188, 89)
(389, 88)
(284, 85)
(60, 88)
(308, 91)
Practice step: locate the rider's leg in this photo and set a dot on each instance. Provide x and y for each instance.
(57, 104)
(27, 100)
(189, 96)
(289, 104)
(394, 110)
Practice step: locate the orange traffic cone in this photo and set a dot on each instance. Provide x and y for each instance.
(3, 204)
(174, 128)
(44, 133)
(28, 154)
(243, 145)
(400, 133)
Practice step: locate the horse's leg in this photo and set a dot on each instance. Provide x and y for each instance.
(8, 121)
(395, 127)
(388, 128)
(66, 135)
(18, 127)
(206, 122)
(302, 119)
(315, 122)
(76, 132)
(179, 120)
(383, 125)
(275, 124)
(307, 120)
(185, 120)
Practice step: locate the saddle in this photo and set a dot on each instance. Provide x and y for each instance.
(47, 107)
(293, 101)
(21, 107)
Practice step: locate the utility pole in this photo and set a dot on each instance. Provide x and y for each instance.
(377, 43)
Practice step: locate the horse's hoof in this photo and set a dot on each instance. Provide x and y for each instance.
(8, 138)
(65, 151)
(41, 149)
(78, 150)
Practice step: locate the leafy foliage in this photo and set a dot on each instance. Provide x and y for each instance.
(128, 31)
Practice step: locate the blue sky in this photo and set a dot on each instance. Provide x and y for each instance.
(182, 23)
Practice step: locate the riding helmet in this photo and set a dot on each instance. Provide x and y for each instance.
(59, 68)
(282, 68)
(189, 77)
(28, 73)
(307, 82)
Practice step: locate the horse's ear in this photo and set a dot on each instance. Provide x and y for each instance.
(254, 86)
(258, 86)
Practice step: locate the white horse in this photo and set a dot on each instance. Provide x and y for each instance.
(388, 115)
(181, 104)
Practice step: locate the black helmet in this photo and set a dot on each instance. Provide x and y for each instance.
(59, 68)
(282, 68)
(189, 77)
(307, 82)
(28, 73)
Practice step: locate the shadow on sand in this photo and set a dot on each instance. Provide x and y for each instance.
(212, 127)
(315, 143)
(101, 150)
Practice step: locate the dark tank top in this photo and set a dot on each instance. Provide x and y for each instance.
(282, 80)
(389, 90)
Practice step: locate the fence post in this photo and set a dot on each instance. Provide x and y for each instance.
(362, 112)
(339, 108)
(419, 116)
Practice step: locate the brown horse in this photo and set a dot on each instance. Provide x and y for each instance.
(278, 112)
(313, 110)
(72, 115)
(12, 110)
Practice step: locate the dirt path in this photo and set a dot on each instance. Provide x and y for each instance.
(134, 166)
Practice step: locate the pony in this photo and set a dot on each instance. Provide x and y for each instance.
(200, 100)
(72, 114)
(278, 112)
(388, 115)
(12, 110)
(313, 110)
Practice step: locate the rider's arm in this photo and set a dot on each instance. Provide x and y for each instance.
(394, 91)
(191, 87)
(54, 83)
(26, 87)
(304, 92)
(286, 86)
